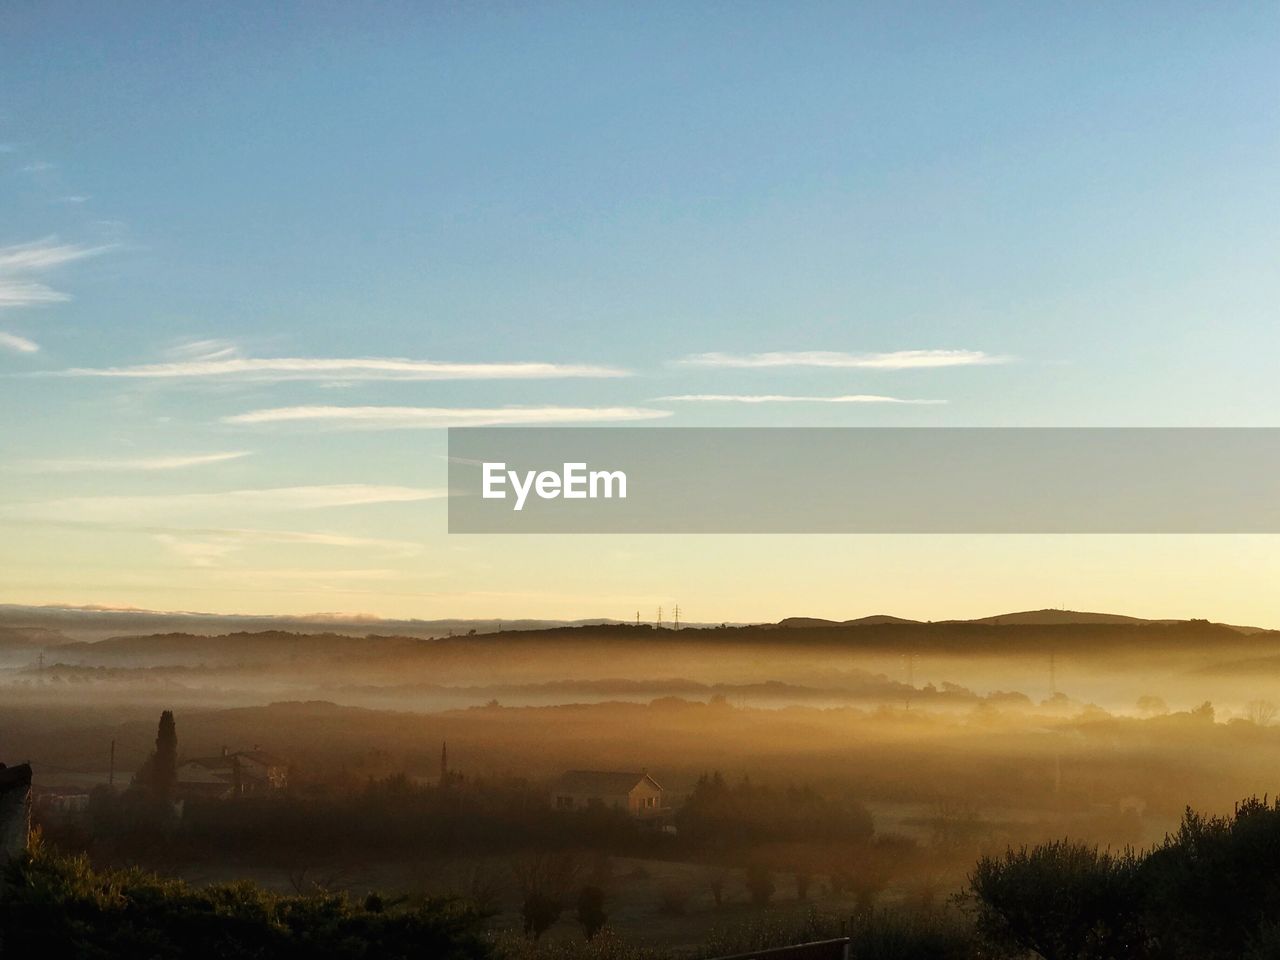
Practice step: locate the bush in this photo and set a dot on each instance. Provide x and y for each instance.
(1211, 891)
(1212, 887)
(56, 906)
(1062, 900)
(591, 913)
(760, 884)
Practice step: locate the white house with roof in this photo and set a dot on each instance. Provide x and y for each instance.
(245, 773)
(637, 793)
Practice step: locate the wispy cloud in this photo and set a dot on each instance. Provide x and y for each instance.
(239, 537)
(781, 398)
(896, 360)
(336, 369)
(127, 508)
(115, 465)
(312, 538)
(407, 417)
(206, 551)
(308, 575)
(37, 166)
(24, 293)
(203, 349)
(19, 261)
(11, 341)
(197, 552)
(43, 255)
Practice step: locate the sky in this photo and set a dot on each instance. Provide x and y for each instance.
(233, 236)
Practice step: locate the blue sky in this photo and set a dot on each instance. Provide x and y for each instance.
(1069, 210)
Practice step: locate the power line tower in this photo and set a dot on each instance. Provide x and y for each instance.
(677, 617)
(909, 664)
(659, 618)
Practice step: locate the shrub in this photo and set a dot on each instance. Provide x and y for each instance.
(57, 906)
(716, 877)
(760, 884)
(1062, 900)
(591, 913)
(1210, 886)
(1211, 891)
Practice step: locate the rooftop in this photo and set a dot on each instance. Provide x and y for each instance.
(604, 783)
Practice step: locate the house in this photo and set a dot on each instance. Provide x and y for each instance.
(637, 793)
(247, 773)
(62, 803)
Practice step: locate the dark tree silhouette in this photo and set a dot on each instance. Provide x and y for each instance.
(1061, 900)
(591, 913)
(164, 768)
(760, 884)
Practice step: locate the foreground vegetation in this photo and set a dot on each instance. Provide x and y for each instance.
(1210, 891)
(58, 906)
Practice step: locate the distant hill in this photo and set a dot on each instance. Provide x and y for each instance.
(242, 648)
(1058, 616)
(1025, 618)
(205, 640)
(30, 638)
(876, 619)
(97, 623)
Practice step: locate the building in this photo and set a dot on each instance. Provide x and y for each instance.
(247, 773)
(637, 793)
(15, 810)
(61, 803)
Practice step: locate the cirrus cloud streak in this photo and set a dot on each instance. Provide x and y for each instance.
(784, 398)
(235, 502)
(357, 368)
(895, 360)
(116, 465)
(422, 417)
(11, 341)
